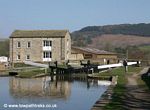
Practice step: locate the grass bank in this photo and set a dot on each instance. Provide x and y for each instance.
(17, 65)
(32, 73)
(4, 73)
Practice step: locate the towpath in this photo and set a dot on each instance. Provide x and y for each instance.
(137, 96)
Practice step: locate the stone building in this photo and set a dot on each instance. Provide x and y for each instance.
(39, 45)
(3, 67)
(95, 55)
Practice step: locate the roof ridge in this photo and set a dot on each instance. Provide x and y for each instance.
(42, 30)
(39, 33)
(93, 50)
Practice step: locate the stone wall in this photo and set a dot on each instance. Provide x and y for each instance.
(76, 57)
(2, 66)
(67, 46)
(107, 56)
(35, 51)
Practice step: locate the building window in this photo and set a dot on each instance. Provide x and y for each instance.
(28, 44)
(87, 56)
(28, 57)
(67, 54)
(47, 43)
(18, 57)
(18, 44)
(67, 44)
(47, 54)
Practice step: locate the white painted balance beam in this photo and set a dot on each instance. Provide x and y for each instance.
(115, 65)
(36, 64)
(99, 67)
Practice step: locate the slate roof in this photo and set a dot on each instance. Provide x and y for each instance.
(38, 33)
(93, 50)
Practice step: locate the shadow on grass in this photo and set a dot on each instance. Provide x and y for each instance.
(129, 98)
(117, 98)
(146, 78)
(136, 97)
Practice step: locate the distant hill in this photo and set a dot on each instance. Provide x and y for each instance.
(110, 41)
(87, 35)
(2, 39)
(4, 47)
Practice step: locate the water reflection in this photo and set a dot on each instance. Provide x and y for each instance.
(40, 87)
(65, 91)
(50, 86)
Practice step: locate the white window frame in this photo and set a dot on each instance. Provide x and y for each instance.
(27, 57)
(28, 44)
(68, 44)
(48, 57)
(67, 54)
(47, 43)
(18, 57)
(49, 54)
(18, 42)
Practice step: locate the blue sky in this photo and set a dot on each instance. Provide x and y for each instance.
(69, 14)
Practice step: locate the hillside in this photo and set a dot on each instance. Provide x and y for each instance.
(4, 47)
(88, 34)
(2, 39)
(118, 41)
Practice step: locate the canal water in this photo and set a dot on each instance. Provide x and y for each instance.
(49, 93)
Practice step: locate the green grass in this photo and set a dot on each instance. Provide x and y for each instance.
(133, 69)
(16, 65)
(119, 89)
(145, 48)
(120, 71)
(29, 74)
